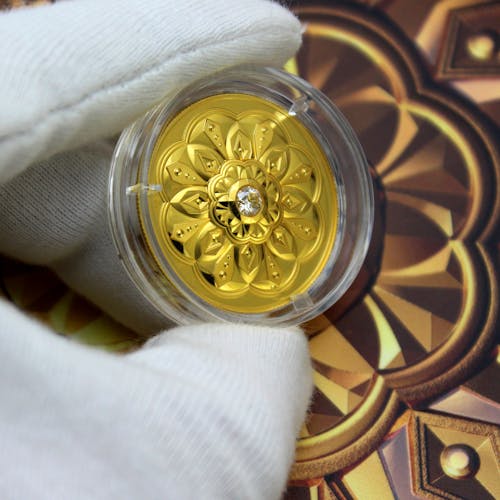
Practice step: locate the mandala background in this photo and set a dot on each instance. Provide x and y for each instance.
(407, 364)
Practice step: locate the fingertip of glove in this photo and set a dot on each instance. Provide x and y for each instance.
(287, 30)
(237, 334)
(273, 351)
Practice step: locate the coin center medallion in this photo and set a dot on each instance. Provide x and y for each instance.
(249, 201)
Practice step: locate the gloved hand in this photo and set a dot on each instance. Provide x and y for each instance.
(74, 73)
(208, 411)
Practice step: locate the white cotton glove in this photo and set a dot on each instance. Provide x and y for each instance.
(208, 411)
(204, 412)
(77, 72)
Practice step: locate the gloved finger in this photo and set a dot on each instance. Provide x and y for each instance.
(256, 383)
(204, 412)
(74, 72)
(55, 214)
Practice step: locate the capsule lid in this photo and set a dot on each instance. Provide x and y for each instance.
(245, 197)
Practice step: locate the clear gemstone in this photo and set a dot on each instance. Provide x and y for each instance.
(249, 201)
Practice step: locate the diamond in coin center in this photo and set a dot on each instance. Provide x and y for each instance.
(249, 201)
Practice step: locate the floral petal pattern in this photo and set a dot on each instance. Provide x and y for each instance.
(238, 144)
(239, 207)
(260, 161)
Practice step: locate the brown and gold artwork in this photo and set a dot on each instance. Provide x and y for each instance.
(407, 366)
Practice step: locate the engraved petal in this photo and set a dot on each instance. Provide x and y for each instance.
(249, 259)
(205, 160)
(224, 268)
(301, 173)
(274, 273)
(238, 144)
(295, 200)
(183, 173)
(262, 137)
(177, 171)
(270, 274)
(305, 229)
(182, 229)
(282, 244)
(210, 244)
(213, 131)
(193, 201)
(276, 161)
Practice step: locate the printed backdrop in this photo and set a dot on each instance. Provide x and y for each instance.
(407, 367)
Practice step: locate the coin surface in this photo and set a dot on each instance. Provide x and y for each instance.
(247, 214)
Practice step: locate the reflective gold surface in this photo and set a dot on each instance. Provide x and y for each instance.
(247, 212)
(421, 318)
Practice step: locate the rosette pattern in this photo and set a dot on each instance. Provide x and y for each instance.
(240, 201)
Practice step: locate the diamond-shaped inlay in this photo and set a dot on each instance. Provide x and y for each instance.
(471, 43)
(455, 458)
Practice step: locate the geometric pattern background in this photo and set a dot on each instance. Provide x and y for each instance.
(407, 366)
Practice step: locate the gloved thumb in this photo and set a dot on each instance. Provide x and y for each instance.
(208, 411)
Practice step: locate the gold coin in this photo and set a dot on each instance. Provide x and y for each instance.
(247, 213)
